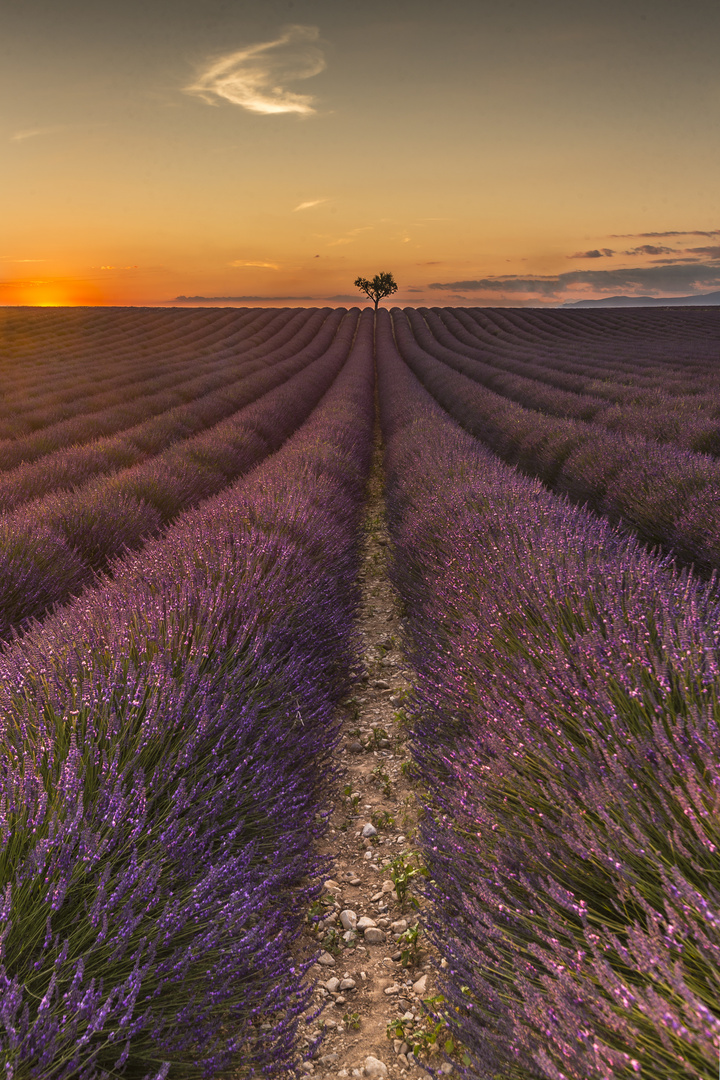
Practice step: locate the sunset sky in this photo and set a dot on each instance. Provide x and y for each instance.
(485, 152)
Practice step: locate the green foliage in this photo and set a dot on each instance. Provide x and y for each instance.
(332, 941)
(318, 909)
(383, 779)
(409, 947)
(426, 1035)
(383, 820)
(402, 871)
(352, 797)
(352, 1020)
(382, 285)
(379, 733)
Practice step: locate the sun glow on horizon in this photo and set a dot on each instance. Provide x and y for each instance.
(52, 292)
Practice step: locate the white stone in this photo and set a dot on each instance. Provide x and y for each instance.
(369, 830)
(348, 919)
(332, 984)
(375, 1067)
(374, 936)
(326, 959)
(347, 984)
(420, 985)
(399, 926)
(364, 922)
(394, 989)
(388, 886)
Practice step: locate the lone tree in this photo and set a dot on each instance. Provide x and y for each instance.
(382, 285)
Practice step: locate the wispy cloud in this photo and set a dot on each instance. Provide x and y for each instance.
(594, 254)
(235, 299)
(711, 252)
(268, 266)
(650, 249)
(676, 276)
(252, 77)
(51, 129)
(307, 205)
(30, 133)
(656, 235)
(349, 236)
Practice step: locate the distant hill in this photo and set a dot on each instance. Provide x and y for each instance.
(702, 299)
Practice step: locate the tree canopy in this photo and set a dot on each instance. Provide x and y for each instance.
(381, 285)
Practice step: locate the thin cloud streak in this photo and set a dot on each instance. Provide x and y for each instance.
(650, 235)
(252, 77)
(267, 265)
(645, 279)
(53, 129)
(30, 133)
(307, 205)
(594, 254)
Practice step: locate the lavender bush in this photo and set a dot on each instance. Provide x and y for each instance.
(42, 389)
(118, 512)
(667, 495)
(52, 377)
(166, 743)
(567, 740)
(689, 420)
(220, 388)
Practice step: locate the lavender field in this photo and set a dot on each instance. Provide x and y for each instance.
(182, 500)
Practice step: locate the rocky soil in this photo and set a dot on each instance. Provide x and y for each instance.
(370, 976)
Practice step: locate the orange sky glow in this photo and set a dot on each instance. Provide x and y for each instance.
(517, 154)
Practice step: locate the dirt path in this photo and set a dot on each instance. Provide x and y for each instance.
(371, 977)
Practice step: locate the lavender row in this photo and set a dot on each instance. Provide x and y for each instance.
(658, 334)
(691, 422)
(626, 350)
(215, 398)
(35, 363)
(46, 389)
(40, 389)
(166, 745)
(50, 549)
(121, 414)
(567, 741)
(686, 418)
(619, 368)
(667, 496)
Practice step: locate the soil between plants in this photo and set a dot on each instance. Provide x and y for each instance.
(373, 788)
